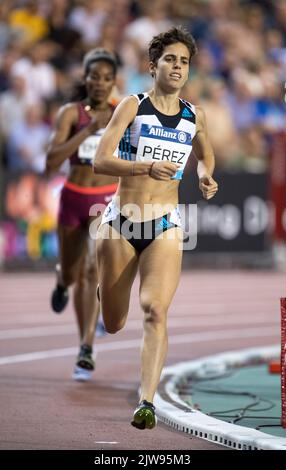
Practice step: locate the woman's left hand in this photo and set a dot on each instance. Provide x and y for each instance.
(208, 186)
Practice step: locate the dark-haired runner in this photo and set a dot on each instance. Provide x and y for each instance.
(78, 130)
(140, 229)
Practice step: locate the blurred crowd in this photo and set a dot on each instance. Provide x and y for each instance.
(238, 75)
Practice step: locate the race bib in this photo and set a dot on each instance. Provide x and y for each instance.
(164, 144)
(87, 148)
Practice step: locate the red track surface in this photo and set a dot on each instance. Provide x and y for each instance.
(42, 408)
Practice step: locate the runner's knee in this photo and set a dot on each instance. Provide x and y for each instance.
(91, 275)
(112, 326)
(114, 318)
(154, 311)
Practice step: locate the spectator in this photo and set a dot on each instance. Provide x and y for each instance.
(88, 19)
(222, 133)
(29, 22)
(12, 105)
(39, 74)
(27, 142)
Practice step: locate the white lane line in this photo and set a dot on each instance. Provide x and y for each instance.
(255, 332)
(38, 331)
(173, 322)
(106, 442)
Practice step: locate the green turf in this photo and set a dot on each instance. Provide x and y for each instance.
(208, 395)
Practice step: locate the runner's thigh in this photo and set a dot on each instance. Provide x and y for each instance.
(117, 265)
(160, 267)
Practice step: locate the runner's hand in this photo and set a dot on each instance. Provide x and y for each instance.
(208, 186)
(163, 170)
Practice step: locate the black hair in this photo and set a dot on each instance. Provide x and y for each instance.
(99, 54)
(79, 92)
(172, 36)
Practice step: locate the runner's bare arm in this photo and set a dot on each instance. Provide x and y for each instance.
(60, 146)
(205, 156)
(202, 147)
(105, 162)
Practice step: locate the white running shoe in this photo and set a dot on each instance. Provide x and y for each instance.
(82, 375)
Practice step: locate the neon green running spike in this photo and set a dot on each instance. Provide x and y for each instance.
(144, 416)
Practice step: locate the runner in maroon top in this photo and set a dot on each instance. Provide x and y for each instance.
(77, 132)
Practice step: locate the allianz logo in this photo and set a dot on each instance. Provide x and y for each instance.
(160, 132)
